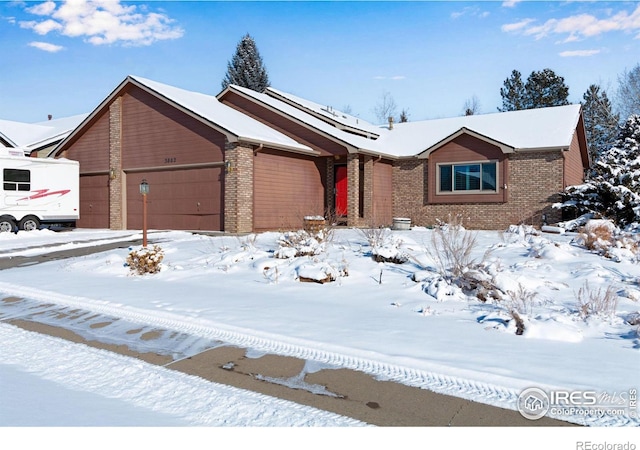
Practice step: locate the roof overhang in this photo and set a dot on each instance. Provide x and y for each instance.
(505, 148)
(230, 136)
(350, 148)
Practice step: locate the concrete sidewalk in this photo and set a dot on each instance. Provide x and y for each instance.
(343, 391)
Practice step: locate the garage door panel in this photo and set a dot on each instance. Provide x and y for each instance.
(186, 199)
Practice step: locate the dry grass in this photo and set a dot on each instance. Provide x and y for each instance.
(598, 302)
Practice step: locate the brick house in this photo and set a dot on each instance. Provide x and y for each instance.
(247, 161)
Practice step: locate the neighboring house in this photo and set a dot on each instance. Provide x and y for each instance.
(247, 161)
(37, 139)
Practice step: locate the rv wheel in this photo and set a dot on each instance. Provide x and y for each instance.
(7, 224)
(29, 224)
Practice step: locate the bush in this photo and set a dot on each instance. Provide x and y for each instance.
(293, 244)
(145, 260)
(603, 237)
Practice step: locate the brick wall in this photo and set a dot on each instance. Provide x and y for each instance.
(535, 180)
(353, 189)
(238, 188)
(117, 184)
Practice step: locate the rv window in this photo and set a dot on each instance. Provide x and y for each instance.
(16, 180)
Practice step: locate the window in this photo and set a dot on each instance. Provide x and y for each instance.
(16, 180)
(468, 178)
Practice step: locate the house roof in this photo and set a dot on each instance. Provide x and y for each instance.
(511, 131)
(235, 125)
(32, 136)
(531, 129)
(339, 119)
(298, 113)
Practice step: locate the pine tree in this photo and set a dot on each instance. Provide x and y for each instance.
(246, 68)
(513, 93)
(613, 188)
(600, 123)
(544, 89)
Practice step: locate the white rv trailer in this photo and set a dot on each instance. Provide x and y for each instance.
(37, 191)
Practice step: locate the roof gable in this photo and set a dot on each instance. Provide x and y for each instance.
(206, 108)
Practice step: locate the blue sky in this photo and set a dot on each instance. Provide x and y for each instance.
(63, 58)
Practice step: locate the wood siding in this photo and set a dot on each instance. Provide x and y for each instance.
(466, 148)
(155, 134)
(382, 192)
(573, 166)
(286, 126)
(91, 148)
(188, 199)
(287, 187)
(94, 201)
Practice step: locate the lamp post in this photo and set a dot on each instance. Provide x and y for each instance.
(144, 190)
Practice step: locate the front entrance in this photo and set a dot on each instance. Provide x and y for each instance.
(341, 190)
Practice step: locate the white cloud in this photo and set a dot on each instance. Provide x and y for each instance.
(572, 53)
(517, 25)
(580, 26)
(510, 3)
(47, 47)
(103, 22)
(473, 11)
(394, 78)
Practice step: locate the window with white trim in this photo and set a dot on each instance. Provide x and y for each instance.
(468, 178)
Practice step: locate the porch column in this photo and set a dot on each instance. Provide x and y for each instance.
(238, 188)
(369, 218)
(331, 189)
(117, 192)
(353, 190)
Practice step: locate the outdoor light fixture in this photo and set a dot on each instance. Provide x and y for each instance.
(112, 174)
(144, 190)
(228, 167)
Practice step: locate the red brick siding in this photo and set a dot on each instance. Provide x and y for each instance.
(382, 192)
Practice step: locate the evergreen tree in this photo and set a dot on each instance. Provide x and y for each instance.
(544, 89)
(246, 68)
(513, 93)
(613, 188)
(600, 123)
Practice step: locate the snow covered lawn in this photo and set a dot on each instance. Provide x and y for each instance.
(372, 317)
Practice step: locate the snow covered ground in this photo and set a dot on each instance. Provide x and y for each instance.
(373, 317)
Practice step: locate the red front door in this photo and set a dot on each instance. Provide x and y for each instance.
(341, 190)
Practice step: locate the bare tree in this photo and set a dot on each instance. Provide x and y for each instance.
(471, 106)
(385, 108)
(628, 94)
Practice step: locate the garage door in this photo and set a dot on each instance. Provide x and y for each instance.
(94, 201)
(186, 199)
(287, 188)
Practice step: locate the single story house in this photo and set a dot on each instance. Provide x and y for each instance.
(246, 161)
(40, 138)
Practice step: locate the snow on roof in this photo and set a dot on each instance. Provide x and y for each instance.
(30, 136)
(351, 140)
(521, 130)
(326, 112)
(234, 122)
